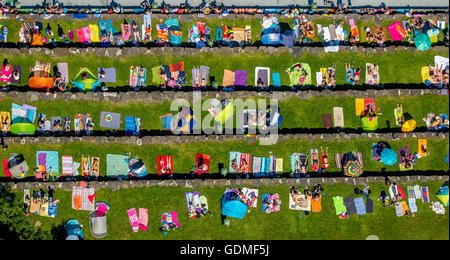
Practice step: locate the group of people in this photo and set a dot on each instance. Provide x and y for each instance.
(311, 197)
(439, 75)
(9, 73)
(353, 75)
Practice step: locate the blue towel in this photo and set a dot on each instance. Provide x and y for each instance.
(360, 207)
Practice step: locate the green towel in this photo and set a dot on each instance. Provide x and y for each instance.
(339, 205)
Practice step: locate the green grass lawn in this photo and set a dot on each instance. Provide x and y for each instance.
(296, 112)
(184, 154)
(256, 225)
(405, 69)
(212, 22)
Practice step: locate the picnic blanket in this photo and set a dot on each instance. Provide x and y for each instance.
(46, 160)
(83, 198)
(110, 75)
(110, 120)
(117, 165)
(301, 203)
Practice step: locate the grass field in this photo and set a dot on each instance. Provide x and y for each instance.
(296, 112)
(255, 23)
(256, 225)
(184, 154)
(405, 69)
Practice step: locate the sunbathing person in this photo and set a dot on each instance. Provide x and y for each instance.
(6, 71)
(57, 125)
(203, 78)
(326, 163)
(243, 168)
(400, 117)
(141, 76)
(357, 75)
(348, 70)
(315, 161)
(95, 166)
(331, 77)
(196, 76)
(135, 30)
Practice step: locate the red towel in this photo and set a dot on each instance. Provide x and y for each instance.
(400, 190)
(91, 198)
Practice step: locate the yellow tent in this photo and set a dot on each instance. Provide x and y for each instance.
(409, 126)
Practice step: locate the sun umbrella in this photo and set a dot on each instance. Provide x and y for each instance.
(422, 42)
(388, 156)
(409, 125)
(353, 168)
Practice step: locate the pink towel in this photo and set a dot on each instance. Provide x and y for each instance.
(143, 219)
(134, 221)
(87, 34)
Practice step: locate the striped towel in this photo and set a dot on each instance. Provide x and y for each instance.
(425, 195)
(80, 200)
(410, 191)
(256, 165)
(67, 165)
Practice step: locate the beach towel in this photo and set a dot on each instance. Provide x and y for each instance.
(327, 121)
(353, 27)
(56, 124)
(340, 33)
(393, 191)
(126, 32)
(410, 191)
(319, 76)
(400, 191)
(279, 166)
(64, 70)
(315, 163)
(235, 161)
(117, 166)
(338, 160)
(330, 43)
(87, 34)
(52, 209)
(165, 165)
(95, 166)
(109, 75)
(256, 169)
(262, 73)
(251, 197)
(143, 219)
(85, 166)
(102, 208)
(425, 195)
(399, 209)
(396, 31)
(192, 202)
(359, 157)
(272, 163)
(271, 203)
(245, 163)
(240, 78)
(134, 220)
(349, 203)
(405, 207)
(360, 206)
(19, 72)
(316, 205)
(200, 161)
(35, 207)
(76, 165)
(423, 147)
(338, 113)
(372, 79)
(412, 205)
(339, 205)
(228, 78)
(94, 33)
(440, 61)
(80, 35)
(47, 160)
(347, 79)
(369, 205)
(43, 211)
(67, 165)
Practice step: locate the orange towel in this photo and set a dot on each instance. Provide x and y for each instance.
(316, 205)
(77, 202)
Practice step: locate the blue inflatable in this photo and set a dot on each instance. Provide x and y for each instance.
(232, 206)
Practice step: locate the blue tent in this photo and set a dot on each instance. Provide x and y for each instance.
(74, 230)
(388, 156)
(232, 206)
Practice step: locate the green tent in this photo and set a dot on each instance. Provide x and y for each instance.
(369, 123)
(422, 42)
(89, 83)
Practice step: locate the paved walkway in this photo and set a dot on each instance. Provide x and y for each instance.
(320, 3)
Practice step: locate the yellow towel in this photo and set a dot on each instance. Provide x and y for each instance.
(359, 106)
